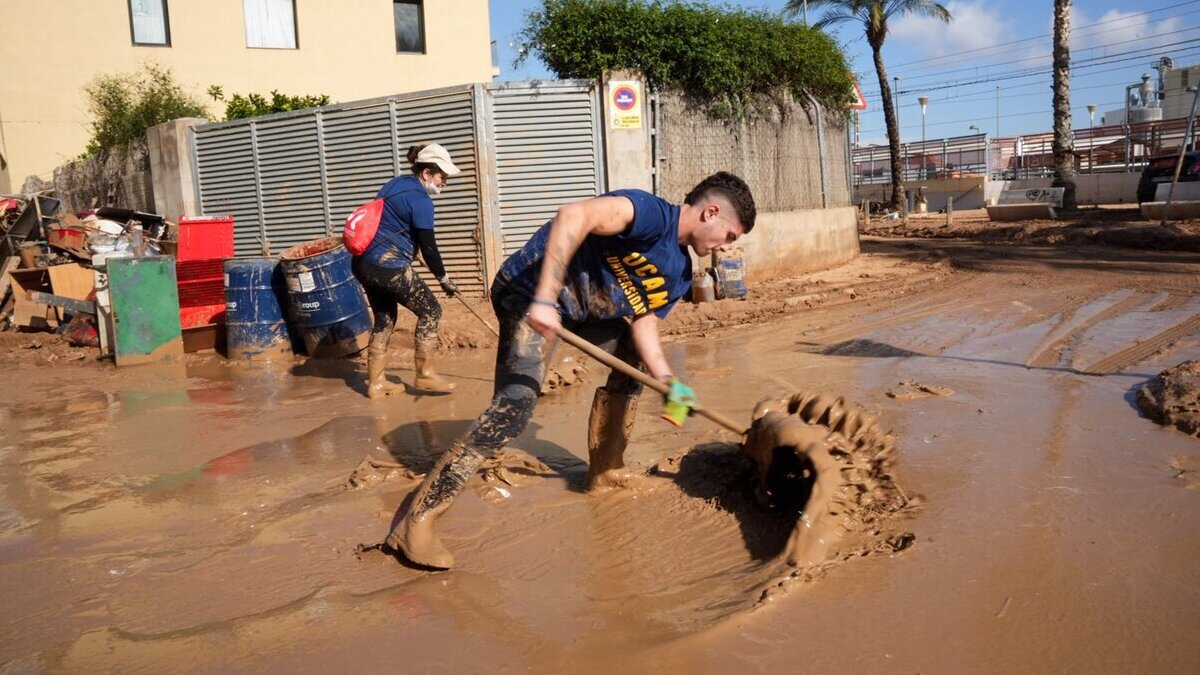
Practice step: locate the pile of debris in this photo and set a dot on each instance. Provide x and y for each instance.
(52, 264)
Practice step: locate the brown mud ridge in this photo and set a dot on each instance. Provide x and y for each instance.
(1117, 226)
(820, 465)
(832, 461)
(1173, 398)
(811, 488)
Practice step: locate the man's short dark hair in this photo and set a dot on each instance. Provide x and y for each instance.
(733, 189)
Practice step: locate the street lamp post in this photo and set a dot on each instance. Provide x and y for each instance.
(896, 101)
(997, 111)
(1091, 137)
(924, 101)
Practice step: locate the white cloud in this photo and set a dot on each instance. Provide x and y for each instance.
(973, 25)
(1132, 29)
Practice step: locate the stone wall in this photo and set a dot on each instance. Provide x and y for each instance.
(117, 177)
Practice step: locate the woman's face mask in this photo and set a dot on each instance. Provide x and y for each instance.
(434, 183)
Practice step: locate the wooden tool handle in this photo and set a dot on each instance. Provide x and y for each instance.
(472, 310)
(661, 387)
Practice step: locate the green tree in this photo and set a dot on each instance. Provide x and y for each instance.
(874, 16)
(252, 105)
(1064, 142)
(125, 105)
(721, 56)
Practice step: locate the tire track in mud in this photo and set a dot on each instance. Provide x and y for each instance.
(1073, 325)
(1142, 349)
(928, 306)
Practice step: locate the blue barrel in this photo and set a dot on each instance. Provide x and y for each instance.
(325, 301)
(255, 297)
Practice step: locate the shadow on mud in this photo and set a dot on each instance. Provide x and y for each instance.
(873, 349)
(347, 370)
(718, 474)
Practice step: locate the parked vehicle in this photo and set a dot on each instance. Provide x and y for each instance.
(1162, 168)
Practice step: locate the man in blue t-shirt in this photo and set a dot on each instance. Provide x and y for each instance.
(608, 268)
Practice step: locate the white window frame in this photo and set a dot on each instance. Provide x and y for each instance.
(420, 26)
(261, 40)
(166, 27)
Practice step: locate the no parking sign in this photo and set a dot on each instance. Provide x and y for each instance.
(625, 96)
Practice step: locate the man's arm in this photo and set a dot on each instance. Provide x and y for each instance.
(606, 216)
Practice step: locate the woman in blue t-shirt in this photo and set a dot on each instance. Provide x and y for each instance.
(385, 268)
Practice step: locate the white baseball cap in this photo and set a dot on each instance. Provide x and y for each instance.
(436, 154)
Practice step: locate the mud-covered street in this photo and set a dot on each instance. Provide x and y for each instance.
(211, 516)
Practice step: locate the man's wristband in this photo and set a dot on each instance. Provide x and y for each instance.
(546, 303)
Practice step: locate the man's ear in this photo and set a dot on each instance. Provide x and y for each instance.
(712, 210)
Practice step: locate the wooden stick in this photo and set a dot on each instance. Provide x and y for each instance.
(661, 387)
(472, 310)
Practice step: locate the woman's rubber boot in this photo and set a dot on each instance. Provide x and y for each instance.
(415, 536)
(427, 378)
(377, 384)
(609, 428)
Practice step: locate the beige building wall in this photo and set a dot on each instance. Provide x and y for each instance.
(346, 49)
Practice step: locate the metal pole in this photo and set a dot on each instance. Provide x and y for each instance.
(997, 111)
(1128, 134)
(924, 101)
(820, 150)
(1091, 137)
(1183, 145)
(896, 104)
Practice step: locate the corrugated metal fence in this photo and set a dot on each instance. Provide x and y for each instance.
(294, 177)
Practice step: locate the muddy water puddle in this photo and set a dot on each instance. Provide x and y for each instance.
(203, 520)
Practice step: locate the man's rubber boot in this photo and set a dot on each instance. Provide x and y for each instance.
(427, 379)
(415, 536)
(377, 384)
(609, 427)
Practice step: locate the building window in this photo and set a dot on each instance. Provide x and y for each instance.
(410, 26)
(148, 22)
(270, 24)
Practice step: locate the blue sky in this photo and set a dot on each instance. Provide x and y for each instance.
(1112, 44)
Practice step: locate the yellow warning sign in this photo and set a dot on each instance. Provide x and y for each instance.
(625, 97)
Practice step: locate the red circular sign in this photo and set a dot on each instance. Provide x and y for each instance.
(625, 97)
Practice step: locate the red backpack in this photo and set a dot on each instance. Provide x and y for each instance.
(361, 226)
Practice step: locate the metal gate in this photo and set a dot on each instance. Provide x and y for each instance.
(547, 142)
(293, 177)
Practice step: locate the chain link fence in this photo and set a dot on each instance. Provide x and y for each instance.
(782, 150)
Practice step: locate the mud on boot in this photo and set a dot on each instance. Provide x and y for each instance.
(377, 384)
(610, 425)
(415, 536)
(427, 378)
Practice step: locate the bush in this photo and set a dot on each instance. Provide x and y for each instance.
(253, 105)
(724, 56)
(124, 106)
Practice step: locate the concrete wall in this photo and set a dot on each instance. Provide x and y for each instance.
(1096, 188)
(791, 242)
(347, 49)
(627, 151)
(968, 192)
(171, 168)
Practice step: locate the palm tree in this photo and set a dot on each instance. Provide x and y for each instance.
(1064, 143)
(874, 15)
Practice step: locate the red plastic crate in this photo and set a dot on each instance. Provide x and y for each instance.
(205, 238)
(201, 292)
(201, 315)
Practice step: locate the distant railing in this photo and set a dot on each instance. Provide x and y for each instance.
(957, 157)
(1114, 148)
